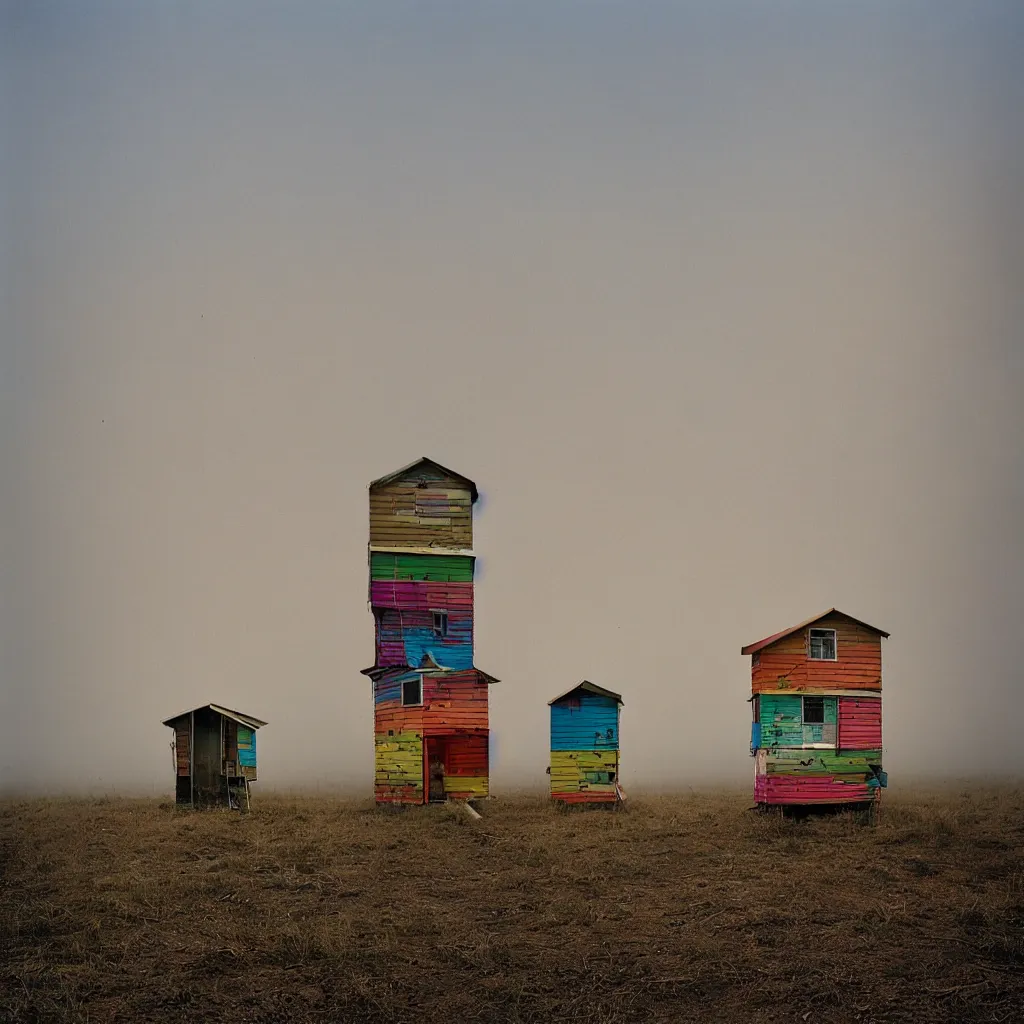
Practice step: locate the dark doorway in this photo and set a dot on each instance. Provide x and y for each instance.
(436, 753)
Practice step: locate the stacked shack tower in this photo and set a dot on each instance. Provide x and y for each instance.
(817, 712)
(430, 701)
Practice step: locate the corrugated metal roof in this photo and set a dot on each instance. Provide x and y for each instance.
(590, 687)
(768, 640)
(252, 723)
(391, 477)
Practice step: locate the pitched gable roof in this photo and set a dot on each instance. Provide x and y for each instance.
(424, 461)
(237, 716)
(589, 687)
(768, 640)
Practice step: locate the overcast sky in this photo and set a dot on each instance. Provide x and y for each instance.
(720, 304)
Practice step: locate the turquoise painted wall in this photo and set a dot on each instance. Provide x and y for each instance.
(782, 722)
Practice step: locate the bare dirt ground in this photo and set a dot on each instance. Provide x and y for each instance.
(682, 908)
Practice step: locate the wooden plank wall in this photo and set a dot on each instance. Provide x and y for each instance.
(454, 705)
(406, 588)
(181, 756)
(789, 767)
(404, 514)
(785, 663)
(860, 723)
(405, 624)
(584, 749)
(398, 767)
(782, 725)
(389, 565)
(466, 767)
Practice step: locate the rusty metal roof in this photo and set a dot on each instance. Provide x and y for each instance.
(590, 687)
(768, 640)
(424, 461)
(248, 720)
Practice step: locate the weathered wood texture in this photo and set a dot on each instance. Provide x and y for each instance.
(782, 722)
(422, 603)
(584, 748)
(785, 664)
(835, 761)
(224, 750)
(423, 611)
(422, 509)
(860, 723)
(389, 565)
(181, 749)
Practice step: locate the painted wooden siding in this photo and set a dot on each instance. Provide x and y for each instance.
(584, 776)
(785, 663)
(466, 767)
(591, 722)
(860, 723)
(406, 587)
(403, 514)
(782, 724)
(409, 595)
(386, 565)
(181, 756)
(584, 749)
(453, 703)
(246, 747)
(800, 777)
(405, 638)
(398, 767)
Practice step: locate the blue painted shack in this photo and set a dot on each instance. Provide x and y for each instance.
(585, 745)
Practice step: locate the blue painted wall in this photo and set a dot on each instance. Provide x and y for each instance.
(593, 725)
(246, 747)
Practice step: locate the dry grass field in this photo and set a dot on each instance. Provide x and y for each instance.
(680, 908)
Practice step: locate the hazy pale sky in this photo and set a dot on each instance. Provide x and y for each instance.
(720, 304)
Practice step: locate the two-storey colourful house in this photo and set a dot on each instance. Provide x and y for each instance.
(817, 712)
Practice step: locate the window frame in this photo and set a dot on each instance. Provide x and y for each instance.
(810, 644)
(417, 703)
(804, 720)
(439, 614)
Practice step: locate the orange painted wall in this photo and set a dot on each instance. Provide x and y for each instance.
(785, 665)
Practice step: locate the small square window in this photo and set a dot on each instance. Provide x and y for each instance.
(814, 710)
(440, 623)
(823, 645)
(412, 692)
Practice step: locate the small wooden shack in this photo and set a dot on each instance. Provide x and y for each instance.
(585, 745)
(816, 735)
(214, 756)
(431, 731)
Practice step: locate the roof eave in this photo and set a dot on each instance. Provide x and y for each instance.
(383, 481)
(237, 716)
(589, 687)
(775, 637)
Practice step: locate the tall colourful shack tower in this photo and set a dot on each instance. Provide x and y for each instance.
(431, 729)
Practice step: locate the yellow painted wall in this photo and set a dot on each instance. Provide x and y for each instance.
(572, 771)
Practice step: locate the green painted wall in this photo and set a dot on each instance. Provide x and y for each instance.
(386, 565)
(782, 722)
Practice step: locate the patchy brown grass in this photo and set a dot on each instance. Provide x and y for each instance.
(679, 908)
